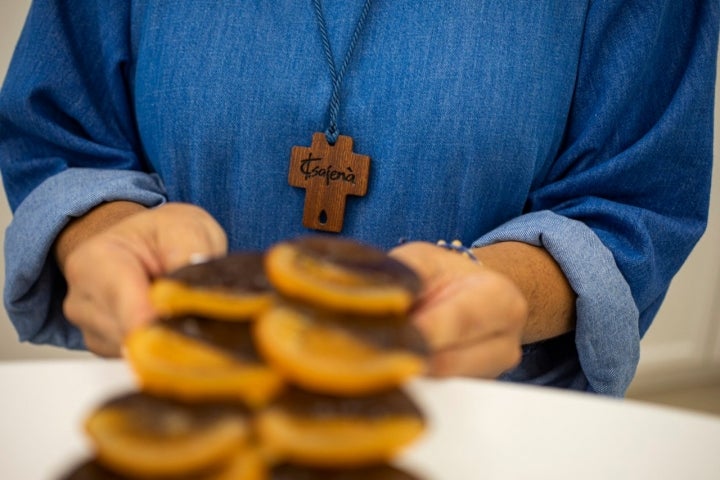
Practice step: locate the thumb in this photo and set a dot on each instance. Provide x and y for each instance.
(183, 233)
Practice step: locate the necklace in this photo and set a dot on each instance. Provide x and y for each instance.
(328, 170)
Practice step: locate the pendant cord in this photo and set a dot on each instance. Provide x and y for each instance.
(332, 131)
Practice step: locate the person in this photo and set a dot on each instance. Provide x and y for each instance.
(568, 143)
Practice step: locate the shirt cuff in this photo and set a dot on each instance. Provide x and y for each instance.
(607, 340)
(34, 285)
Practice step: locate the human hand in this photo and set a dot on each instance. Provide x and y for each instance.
(471, 316)
(109, 273)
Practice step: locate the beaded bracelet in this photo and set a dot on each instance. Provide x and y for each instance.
(457, 246)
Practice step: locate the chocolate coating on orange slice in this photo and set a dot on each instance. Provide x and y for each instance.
(233, 338)
(140, 435)
(92, 470)
(341, 275)
(245, 464)
(326, 357)
(374, 472)
(304, 404)
(185, 359)
(324, 431)
(233, 287)
(387, 332)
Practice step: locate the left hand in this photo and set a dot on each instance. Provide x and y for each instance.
(471, 316)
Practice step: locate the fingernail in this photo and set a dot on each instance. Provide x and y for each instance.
(196, 258)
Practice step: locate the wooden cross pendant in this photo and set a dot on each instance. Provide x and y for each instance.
(328, 173)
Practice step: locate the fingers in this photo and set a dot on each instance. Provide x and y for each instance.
(107, 295)
(472, 317)
(474, 326)
(109, 274)
(422, 257)
(486, 359)
(435, 266)
(185, 232)
(168, 237)
(470, 309)
(101, 345)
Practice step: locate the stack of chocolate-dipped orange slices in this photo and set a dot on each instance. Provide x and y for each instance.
(279, 365)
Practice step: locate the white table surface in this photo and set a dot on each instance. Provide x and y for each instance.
(478, 429)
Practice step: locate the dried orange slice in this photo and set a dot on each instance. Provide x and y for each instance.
(341, 275)
(339, 355)
(325, 431)
(233, 287)
(245, 465)
(168, 361)
(146, 436)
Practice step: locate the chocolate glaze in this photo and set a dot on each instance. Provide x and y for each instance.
(239, 272)
(386, 332)
(233, 338)
(306, 404)
(93, 470)
(150, 415)
(365, 260)
(376, 472)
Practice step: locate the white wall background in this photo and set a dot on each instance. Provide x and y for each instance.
(682, 347)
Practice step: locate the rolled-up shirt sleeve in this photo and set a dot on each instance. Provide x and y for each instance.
(35, 287)
(626, 199)
(68, 142)
(606, 335)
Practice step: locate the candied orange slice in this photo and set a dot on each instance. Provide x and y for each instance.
(326, 358)
(233, 287)
(341, 275)
(171, 298)
(172, 364)
(324, 431)
(144, 436)
(246, 465)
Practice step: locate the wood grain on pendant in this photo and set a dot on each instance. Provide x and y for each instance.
(328, 173)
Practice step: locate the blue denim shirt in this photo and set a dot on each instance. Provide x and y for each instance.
(582, 127)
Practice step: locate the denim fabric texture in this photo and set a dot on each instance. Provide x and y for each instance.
(584, 127)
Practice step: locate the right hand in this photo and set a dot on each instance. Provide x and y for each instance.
(109, 273)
